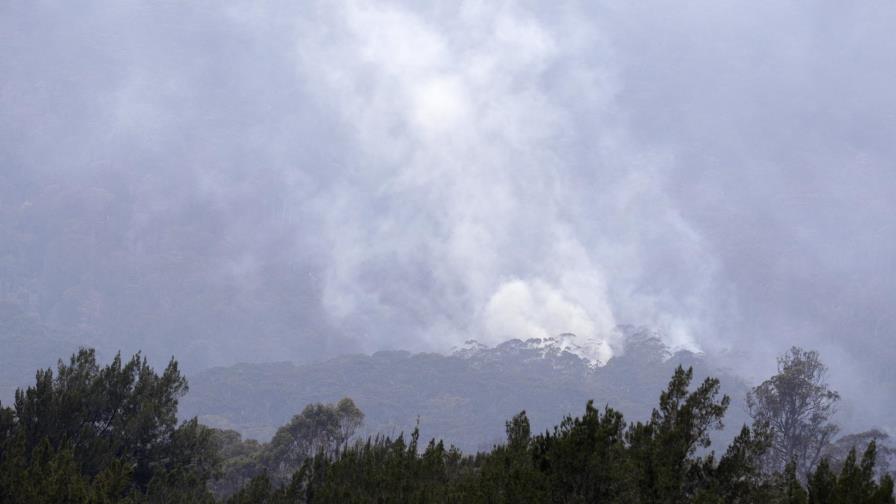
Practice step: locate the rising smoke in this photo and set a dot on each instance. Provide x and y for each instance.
(243, 181)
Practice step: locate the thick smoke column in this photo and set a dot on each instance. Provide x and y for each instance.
(487, 203)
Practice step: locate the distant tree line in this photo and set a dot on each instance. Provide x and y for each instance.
(91, 434)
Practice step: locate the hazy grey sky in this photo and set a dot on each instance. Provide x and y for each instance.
(287, 180)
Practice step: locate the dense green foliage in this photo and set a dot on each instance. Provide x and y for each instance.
(105, 434)
(102, 435)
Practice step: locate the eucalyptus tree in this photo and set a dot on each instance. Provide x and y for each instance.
(796, 406)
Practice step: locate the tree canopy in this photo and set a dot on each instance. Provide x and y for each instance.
(104, 433)
(92, 434)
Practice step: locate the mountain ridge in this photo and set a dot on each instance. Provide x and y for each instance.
(463, 397)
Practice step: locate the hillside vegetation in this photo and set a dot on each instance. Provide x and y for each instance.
(100, 434)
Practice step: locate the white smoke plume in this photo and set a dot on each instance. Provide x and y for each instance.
(470, 152)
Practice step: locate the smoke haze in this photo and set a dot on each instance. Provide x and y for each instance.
(229, 181)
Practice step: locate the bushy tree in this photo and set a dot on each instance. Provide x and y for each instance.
(506, 474)
(240, 461)
(738, 476)
(663, 449)
(107, 433)
(822, 484)
(318, 429)
(583, 459)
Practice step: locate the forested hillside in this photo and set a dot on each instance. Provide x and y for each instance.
(462, 398)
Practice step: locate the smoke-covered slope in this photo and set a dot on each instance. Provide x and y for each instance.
(464, 398)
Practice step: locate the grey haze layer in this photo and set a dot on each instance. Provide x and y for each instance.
(229, 181)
